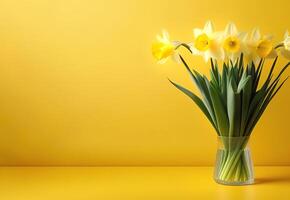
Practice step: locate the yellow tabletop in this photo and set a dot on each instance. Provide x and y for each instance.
(136, 183)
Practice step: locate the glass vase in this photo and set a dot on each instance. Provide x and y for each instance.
(233, 161)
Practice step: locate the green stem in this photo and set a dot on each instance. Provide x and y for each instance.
(184, 45)
(238, 171)
(279, 45)
(230, 162)
(234, 164)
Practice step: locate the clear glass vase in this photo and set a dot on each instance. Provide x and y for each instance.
(233, 161)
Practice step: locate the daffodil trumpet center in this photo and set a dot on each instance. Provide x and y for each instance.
(161, 50)
(263, 48)
(232, 44)
(202, 42)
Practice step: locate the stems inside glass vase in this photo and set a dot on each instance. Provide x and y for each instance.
(233, 163)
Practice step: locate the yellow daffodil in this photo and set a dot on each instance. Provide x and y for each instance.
(206, 43)
(259, 46)
(163, 48)
(233, 42)
(226, 45)
(285, 50)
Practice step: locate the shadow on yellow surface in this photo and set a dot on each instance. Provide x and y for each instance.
(270, 180)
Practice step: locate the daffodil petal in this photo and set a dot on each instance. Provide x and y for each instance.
(208, 27)
(218, 54)
(256, 34)
(243, 36)
(231, 29)
(218, 35)
(162, 61)
(197, 32)
(158, 37)
(216, 51)
(195, 51)
(165, 34)
(206, 56)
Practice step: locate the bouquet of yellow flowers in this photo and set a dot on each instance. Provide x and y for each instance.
(232, 99)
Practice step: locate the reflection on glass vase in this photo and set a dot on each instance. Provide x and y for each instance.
(233, 161)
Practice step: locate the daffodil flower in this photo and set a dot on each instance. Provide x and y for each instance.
(163, 48)
(206, 43)
(233, 42)
(260, 47)
(285, 50)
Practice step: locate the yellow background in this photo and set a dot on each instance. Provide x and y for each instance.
(79, 85)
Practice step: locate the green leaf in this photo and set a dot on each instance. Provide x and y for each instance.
(200, 83)
(262, 105)
(279, 87)
(246, 98)
(279, 75)
(269, 96)
(241, 64)
(233, 110)
(215, 76)
(255, 104)
(230, 99)
(196, 100)
(257, 76)
(268, 80)
(202, 86)
(224, 84)
(220, 111)
(243, 82)
(187, 68)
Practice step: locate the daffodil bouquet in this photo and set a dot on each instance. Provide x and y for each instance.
(233, 98)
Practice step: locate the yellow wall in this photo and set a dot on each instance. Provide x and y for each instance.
(79, 86)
